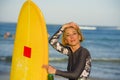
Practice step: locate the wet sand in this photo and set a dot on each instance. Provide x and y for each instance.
(90, 78)
(5, 76)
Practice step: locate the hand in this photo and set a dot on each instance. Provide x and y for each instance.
(70, 24)
(50, 69)
(74, 25)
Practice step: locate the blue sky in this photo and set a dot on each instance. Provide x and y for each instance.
(83, 12)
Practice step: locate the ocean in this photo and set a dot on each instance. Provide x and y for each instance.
(103, 42)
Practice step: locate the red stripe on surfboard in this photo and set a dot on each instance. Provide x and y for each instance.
(27, 52)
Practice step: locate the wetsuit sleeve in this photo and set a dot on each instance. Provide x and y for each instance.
(75, 74)
(56, 44)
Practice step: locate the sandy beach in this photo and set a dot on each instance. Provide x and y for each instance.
(90, 78)
(6, 76)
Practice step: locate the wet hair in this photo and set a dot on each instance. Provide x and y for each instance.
(78, 31)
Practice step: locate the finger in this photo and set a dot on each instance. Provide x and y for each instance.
(45, 66)
(75, 25)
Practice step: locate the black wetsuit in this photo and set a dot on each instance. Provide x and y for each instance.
(79, 62)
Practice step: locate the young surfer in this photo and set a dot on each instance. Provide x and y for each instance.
(79, 59)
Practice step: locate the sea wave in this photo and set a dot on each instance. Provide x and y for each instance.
(99, 27)
(9, 58)
(107, 59)
(6, 58)
(87, 28)
(94, 59)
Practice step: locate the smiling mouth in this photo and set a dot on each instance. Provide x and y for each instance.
(72, 40)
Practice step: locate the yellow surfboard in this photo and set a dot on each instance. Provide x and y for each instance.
(31, 45)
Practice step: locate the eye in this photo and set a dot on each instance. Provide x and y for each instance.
(67, 35)
(74, 33)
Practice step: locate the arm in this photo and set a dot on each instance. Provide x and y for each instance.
(81, 69)
(54, 39)
(75, 74)
(57, 45)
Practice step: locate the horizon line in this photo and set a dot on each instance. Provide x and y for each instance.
(85, 25)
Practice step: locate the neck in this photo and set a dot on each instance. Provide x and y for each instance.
(74, 48)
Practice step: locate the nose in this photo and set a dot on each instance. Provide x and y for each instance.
(71, 36)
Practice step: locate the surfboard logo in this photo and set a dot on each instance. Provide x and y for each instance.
(27, 52)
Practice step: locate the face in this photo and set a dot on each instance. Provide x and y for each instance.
(72, 37)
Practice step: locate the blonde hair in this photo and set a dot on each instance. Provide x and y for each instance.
(78, 31)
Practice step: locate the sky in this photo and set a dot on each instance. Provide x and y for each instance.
(83, 12)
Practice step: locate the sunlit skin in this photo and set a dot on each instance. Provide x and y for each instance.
(72, 38)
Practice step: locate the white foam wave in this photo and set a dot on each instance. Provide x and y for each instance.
(93, 59)
(118, 28)
(106, 59)
(87, 28)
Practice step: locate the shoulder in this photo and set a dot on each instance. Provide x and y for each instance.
(85, 51)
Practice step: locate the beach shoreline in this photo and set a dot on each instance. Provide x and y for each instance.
(90, 78)
(6, 76)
